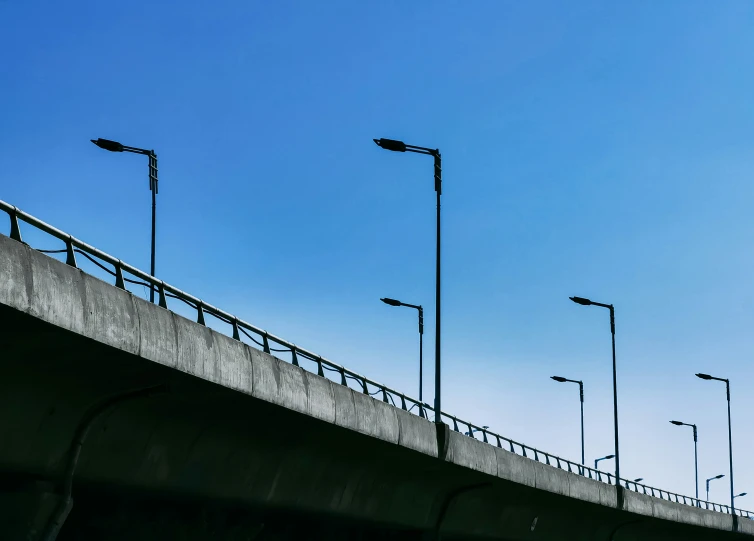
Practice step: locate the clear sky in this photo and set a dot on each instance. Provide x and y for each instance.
(595, 149)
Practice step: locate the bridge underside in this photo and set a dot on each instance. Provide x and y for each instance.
(201, 461)
(102, 514)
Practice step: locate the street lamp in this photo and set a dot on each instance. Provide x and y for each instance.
(712, 479)
(586, 302)
(581, 395)
(696, 462)
(730, 437)
(739, 495)
(601, 459)
(635, 481)
(471, 432)
(114, 146)
(393, 302)
(400, 146)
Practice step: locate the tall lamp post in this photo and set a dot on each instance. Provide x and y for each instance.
(586, 302)
(597, 461)
(581, 396)
(712, 479)
(730, 436)
(114, 146)
(400, 146)
(393, 302)
(696, 462)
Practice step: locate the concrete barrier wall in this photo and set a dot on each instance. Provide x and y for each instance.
(70, 299)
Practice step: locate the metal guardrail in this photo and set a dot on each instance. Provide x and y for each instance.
(262, 338)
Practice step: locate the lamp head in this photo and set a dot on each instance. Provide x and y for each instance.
(391, 302)
(719, 476)
(391, 144)
(107, 144)
(677, 423)
(704, 376)
(581, 300)
(610, 456)
(638, 480)
(559, 379)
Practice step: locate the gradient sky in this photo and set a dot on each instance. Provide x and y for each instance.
(591, 148)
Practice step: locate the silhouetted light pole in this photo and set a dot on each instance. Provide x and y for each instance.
(400, 146)
(730, 436)
(586, 302)
(635, 481)
(712, 479)
(471, 432)
(696, 462)
(601, 459)
(581, 396)
(114, 146)
(393, 302)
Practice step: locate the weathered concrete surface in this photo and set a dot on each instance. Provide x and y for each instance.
(242, 426)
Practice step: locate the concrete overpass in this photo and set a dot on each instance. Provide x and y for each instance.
(158, 427)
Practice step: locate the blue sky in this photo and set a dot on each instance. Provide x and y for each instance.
(589, 149)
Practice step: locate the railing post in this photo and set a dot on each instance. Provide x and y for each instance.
(15, 231)
(266, 343)
(200, 315)
(70, 256)
(163, 300)
(364, 386)
(343, 380)
(294, 357)
(119, 281)
(384, 395)
(403, 403)
(320, 372)
(236, 335)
